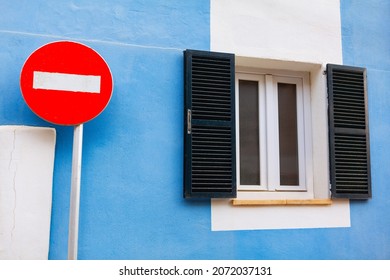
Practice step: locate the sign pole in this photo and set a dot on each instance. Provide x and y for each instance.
(75, 192)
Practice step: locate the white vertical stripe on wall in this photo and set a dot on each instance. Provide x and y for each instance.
(302, 35)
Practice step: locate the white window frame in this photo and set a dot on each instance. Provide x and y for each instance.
(270, 187)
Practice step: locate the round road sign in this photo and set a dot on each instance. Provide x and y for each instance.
(66, 83)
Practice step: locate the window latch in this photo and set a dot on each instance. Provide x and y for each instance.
(189, 128)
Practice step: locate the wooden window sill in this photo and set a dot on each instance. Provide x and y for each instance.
(280, 202)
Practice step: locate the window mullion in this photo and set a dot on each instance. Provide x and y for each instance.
(272, 134)
(263, 134)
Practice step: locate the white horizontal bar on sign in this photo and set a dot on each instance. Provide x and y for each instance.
(66, 82)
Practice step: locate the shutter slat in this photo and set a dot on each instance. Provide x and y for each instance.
(209, 160)
(348, 132)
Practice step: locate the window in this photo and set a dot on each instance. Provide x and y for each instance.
(273, 132)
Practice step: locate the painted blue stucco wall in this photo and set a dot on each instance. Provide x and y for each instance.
(366, 42)
(131, 189)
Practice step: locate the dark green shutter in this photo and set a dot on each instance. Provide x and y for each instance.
(348, 132)
(209, 125)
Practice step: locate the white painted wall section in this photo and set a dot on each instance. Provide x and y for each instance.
(26, 175)
(299, 30)
(301, 35)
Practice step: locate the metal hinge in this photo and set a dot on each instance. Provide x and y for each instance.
(189, 127)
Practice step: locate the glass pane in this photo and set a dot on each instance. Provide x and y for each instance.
(249, 133)
(288, 137)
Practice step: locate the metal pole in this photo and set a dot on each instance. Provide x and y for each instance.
(75, 192)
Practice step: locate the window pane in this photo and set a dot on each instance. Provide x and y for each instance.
(288, 137)
(249, 133)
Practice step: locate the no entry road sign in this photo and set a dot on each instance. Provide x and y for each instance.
(66, 83)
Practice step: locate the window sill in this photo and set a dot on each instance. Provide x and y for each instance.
(280, 202)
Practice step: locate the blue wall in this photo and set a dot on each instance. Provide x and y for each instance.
(131, 198)
(131, 189)
(366, 42)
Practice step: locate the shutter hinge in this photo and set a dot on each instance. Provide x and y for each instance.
(189, 127)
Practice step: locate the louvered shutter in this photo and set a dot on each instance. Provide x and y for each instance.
(209, 142)
(348, 132)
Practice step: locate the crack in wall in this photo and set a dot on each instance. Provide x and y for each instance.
(10, 165)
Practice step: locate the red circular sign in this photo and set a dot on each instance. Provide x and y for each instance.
(66, 83)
